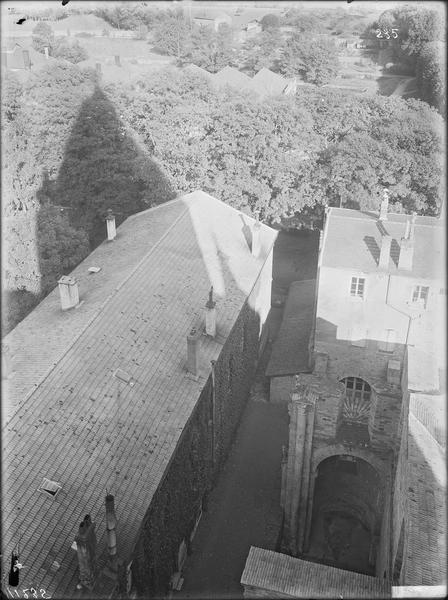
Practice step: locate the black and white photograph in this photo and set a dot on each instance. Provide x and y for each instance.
(224, 297)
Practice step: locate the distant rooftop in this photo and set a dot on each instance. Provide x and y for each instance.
(70, 417)
(353, 240)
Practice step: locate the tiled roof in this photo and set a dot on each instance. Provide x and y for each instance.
(69, 419)
(290, 353)
(231, 76)
(425, 560)
(268, 83)
(286, 576)
(353, 239)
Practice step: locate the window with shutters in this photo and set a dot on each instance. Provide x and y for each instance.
(357, 287)
(388, 344)
(420, 295)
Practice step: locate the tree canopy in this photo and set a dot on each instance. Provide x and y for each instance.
(314, 59)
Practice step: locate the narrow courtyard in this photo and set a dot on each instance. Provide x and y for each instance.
(244, 507)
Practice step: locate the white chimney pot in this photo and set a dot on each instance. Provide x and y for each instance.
(111, 229)
(69, 292)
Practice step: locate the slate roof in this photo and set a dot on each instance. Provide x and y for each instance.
(426, 527)
(290, 352)
(231, 76)
(69, 419)
(268, 83)
(286, 576)
(352, 241)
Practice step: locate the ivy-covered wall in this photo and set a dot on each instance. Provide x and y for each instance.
(182, 494)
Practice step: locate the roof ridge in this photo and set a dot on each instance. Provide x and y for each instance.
(91, 320)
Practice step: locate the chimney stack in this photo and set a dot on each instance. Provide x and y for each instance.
(6, 361)
(256, 234)
(110, 222)
(386, 241)
(192, 352)
(111, 523)
(69, 293)
(117, 60)
(46, 52)
(384, 205)
(210, 315)
(86, 551)
(98, 68)
(407, 245)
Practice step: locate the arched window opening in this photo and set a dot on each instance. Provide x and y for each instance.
(355, 412)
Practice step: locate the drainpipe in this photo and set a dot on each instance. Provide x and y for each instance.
(410, 317)
(213, 362)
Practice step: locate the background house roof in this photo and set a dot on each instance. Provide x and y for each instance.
(231, 76)
(79, 23)
(290, 353)
(254, 14)
(267, 83)
(353, 239)
(69, 419)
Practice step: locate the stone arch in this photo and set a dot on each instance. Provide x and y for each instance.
(364, 510)
(360, 374)
(321, 454)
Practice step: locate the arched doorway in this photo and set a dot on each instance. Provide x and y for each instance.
(346, 517)
(355, 411)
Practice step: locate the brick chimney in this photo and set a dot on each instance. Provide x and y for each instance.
(386, 241)
(111, 523)
(68, 291)
(407, 245)
(192, 352)
(110, 222)
(86, 551)
(256, 241)
(384, 205)
(210, 315)
(117, 60)
(47, 54)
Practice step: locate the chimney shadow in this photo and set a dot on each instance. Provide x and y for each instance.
(247, 231)
(395, 251)
(373, 247)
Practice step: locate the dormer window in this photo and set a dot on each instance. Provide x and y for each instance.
(420, 295)
(357, 287)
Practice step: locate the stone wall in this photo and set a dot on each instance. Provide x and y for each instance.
(172, 515)
(280, 389)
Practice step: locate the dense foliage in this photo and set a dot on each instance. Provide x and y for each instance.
(60, 47)
(72, 149)
(419, 48)
(313, 59)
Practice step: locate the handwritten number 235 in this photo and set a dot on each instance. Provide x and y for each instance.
(380, 33)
